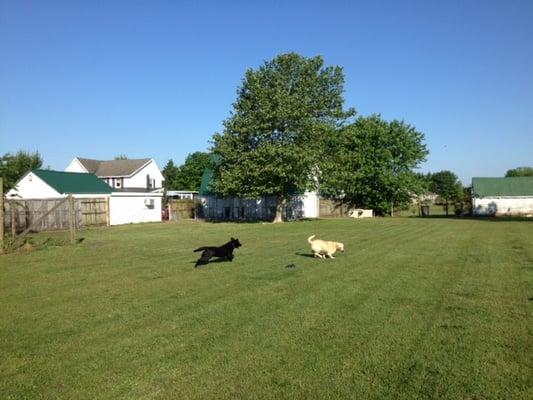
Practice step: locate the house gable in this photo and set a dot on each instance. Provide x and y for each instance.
(131, 174)
(31, 186)
(76, 166)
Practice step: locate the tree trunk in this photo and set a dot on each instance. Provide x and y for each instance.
(280, 202)
(446, 207)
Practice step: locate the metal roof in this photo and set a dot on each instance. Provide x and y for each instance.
(111, 168)
(73, 182)
(205, 185)
(502, 187)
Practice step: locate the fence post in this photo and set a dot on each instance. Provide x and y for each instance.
(71, 219)
(108, 211)
(13, 210)
(1, 215)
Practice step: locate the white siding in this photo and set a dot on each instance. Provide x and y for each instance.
(33, 187)
(128, 208)
(75, 166)
(503, 206)
(139, 179)
(311, 206)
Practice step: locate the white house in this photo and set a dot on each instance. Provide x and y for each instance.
(124, 207)
(511, 196)
(138, 175)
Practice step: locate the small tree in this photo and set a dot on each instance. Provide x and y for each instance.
(520, 171)
(272, 141)
(170, 173)
(121, 157)
(14, 167)
(446, 185)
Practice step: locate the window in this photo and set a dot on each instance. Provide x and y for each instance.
(149, 203)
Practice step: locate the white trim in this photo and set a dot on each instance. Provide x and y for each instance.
(504, 197)
(136, 194)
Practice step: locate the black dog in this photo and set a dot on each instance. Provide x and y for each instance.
(225, 251)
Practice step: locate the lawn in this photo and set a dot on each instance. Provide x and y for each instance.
(430, 308)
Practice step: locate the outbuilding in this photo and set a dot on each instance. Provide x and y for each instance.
(123, 207)
(511, 196)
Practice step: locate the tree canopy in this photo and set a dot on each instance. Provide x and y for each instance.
(446, 185)
(170, 172)
(520, 171)
(273, 139)
(370, 163)
(15, 166)
(187, 176)
(190, 172)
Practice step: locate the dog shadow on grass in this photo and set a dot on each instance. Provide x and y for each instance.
(304, 254)
(216, 260)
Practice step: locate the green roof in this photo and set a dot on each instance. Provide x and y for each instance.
(515, 186)
(73, 182)
(205, 185)
(208, 175)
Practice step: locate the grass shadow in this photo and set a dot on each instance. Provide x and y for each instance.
(304, 255)
(215, 260)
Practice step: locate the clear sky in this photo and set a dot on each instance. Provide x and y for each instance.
(157, 78)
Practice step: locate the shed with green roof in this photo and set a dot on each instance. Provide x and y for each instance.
(512, 196)
(43, 183)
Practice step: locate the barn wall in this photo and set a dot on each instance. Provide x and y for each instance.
(214, 208)
(126, 208)
(311, 205)
(503, 206)
(32, 187)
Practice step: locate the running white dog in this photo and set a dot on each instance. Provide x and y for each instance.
(324, 248)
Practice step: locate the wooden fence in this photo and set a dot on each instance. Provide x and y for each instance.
(333, 208)
(20, 215)
(182, 209)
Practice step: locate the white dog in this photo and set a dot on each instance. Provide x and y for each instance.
(324, 248)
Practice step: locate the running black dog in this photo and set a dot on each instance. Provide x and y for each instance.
(225, 251)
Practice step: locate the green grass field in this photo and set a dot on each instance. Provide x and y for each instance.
(415, 308)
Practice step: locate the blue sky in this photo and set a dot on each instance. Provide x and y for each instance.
(157, 78)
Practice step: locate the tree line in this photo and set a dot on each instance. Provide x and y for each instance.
(288, 132)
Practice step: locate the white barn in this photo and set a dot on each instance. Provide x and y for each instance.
(511, 196)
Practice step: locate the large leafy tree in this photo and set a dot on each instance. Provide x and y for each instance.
(446, 185)
(271, 143)
(15, 166)
(520, 171)
(370, 163)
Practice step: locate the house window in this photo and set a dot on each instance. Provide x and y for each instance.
(148, 182)
(149, 203)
